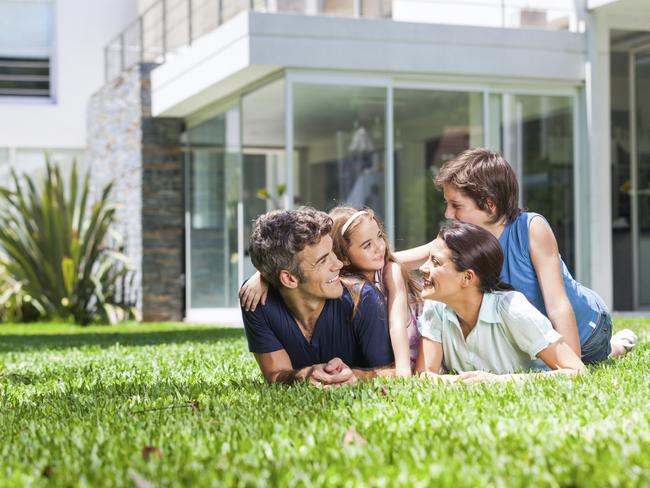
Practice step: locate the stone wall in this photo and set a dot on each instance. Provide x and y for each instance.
(143, 156)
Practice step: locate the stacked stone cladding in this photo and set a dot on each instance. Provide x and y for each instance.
(143, 156)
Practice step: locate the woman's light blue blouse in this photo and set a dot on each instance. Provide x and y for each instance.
(507, 338)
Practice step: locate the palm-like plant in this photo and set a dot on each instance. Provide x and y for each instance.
(55, 246)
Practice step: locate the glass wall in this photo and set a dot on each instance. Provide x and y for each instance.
(238, 168)
(630, 139)
(339, 145)
(622, 220)
(538, 140)
(431, 127)
(641, 62)
(264, 168)
(212, 182)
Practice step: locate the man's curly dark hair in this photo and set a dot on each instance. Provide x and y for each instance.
(278, 236)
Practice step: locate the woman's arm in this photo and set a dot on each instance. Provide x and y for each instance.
(398, 317)
(558, 356)
(413, 258)
(545, 258)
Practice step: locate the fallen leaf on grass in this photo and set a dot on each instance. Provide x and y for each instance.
(148, 451)
(193, 404)
(48, 471)
(353, 437)
(139, 481)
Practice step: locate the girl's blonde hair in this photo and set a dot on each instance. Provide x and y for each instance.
(342, 230)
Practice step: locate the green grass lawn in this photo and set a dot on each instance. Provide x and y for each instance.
(178, 405)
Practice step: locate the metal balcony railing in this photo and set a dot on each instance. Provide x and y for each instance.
(169, 25)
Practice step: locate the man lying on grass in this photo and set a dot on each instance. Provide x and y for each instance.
(307, 330)
(477, 326)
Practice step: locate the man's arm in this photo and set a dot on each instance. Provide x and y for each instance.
(277, 368)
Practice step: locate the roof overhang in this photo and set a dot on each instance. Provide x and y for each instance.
(253, 45)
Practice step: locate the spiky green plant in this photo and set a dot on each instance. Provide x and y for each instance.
(55, 246)
(15, 304)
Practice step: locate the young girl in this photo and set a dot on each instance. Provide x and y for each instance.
(359, 241)
(481, 188)
(478, 326)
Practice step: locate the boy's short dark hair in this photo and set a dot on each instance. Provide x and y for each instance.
(278, 236)
(481, 174)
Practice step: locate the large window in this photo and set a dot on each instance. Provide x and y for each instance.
(431, 127)
(537, 138)
(264, 167)
(239, 167)
(213, 162)
(339, 144)
(25, 47)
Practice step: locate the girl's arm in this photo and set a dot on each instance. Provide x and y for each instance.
(253, 292)
(429, 357)
(545, 257)
(398, 317)
(413, 258)
(558, 356)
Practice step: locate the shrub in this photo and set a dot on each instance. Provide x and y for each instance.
(15, 304)
(56, 252)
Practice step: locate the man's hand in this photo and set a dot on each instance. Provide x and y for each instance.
(333, 373)
(476, 377)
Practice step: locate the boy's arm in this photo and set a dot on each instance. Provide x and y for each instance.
(545, 257)
(414, 257)
(398, 317)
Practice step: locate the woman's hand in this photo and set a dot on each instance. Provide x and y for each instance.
(439, 378)
(476, 377)
(253, 292)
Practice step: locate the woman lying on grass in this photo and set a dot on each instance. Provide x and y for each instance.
(477, 325)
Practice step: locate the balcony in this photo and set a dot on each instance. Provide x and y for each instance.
(169, 26)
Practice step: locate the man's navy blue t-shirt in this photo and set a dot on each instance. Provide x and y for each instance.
(361, 342)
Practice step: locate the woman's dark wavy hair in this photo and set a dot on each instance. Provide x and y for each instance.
(473, 247)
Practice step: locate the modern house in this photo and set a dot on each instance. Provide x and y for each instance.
(50, 63)
(214, 111)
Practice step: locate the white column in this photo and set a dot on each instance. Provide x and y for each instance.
(597, 82)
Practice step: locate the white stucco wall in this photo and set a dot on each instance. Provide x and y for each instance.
(81, 29)
(252, 45)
